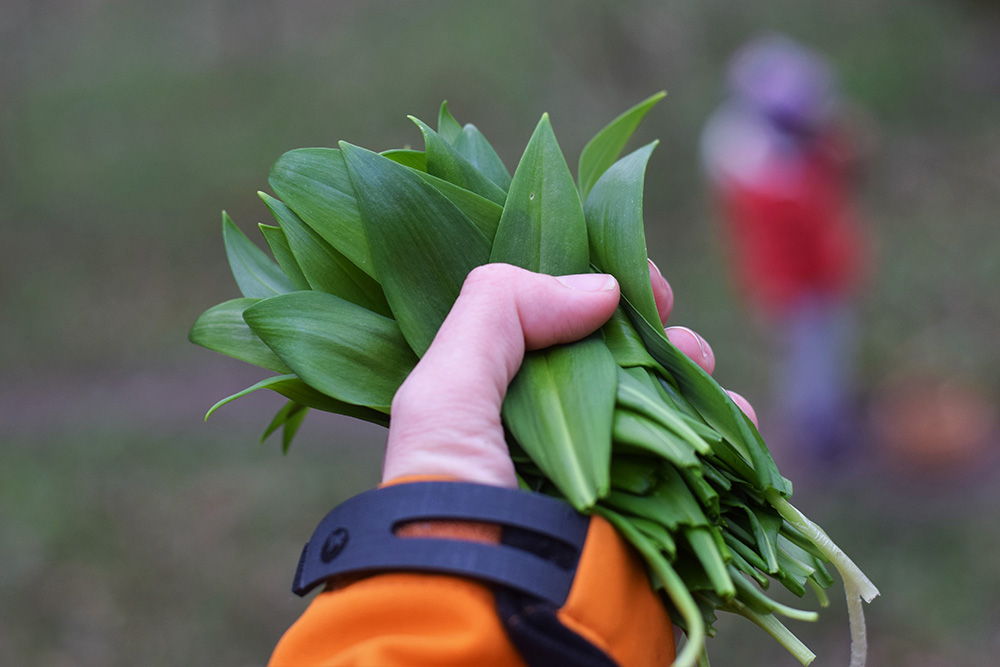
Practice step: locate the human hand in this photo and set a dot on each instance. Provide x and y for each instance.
(446, 415)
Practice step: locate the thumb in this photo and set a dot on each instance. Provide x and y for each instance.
(446, 415)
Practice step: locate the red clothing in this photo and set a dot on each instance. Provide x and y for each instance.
(792, 230)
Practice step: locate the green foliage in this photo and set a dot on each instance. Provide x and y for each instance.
(615, 230)
(222, 328)
(446, 162)
(542, 227)
(339, 348)
(371, 251)
(422, 245)
(603, 150)
(314, 183)
(257, 276)
(323, 268)
(560, 408)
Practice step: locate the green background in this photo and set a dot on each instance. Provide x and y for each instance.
(133, 533)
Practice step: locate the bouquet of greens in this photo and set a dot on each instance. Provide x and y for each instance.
(370, 251)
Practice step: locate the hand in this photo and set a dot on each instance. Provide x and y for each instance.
(446, 415)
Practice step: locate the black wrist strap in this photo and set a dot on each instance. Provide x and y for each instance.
(357, 537)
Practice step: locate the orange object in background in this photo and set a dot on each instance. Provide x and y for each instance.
(926, 423)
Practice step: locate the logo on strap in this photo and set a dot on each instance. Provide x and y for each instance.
(335, 543)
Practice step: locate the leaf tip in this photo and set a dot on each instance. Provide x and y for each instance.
(211, 410)
(424, 127)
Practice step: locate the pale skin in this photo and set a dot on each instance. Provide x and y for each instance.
(446, 415)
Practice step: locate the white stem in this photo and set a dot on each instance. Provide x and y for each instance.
(848, 570)
(856, 614)
(856, 585)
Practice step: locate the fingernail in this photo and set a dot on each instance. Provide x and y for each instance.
(588, 282)
(655, 267)
(697, 338)
(658, 274)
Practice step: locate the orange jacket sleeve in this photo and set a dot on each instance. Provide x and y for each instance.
(427, 619)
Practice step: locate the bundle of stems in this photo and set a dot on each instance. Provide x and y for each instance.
(370, 251)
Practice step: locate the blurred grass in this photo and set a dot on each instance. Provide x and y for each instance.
(129, 548)
(133, 533)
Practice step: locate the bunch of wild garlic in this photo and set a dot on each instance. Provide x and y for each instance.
(369, 253)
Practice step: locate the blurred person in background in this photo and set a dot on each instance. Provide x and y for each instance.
(779, 160)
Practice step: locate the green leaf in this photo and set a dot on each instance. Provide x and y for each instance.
(408, 158)
(445, 162)
(559, 390)
(770, 624)
(314, 183)
(669, 389)
(659, 535)
(257, 276)
(635, 396)
(297, 391)
(614, 227)
(765, 525)
(543, 228)
(472, 145)
(278, 242)
(602, 151)
(793, 573)
(483, 213)
(757, 600)
(707, 496)
(633, 474)
(742, 550)
(625, 344)
(221, 328)
(423, 246)
(324, 268)
(706, 550)
(715, 477)
(712, 403)
(290, 417)
(279, 419)
(337, 347)
(448, 127)
(670, 504)
(638, 432)
(560, 408)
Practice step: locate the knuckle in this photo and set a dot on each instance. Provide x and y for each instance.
(490, 276)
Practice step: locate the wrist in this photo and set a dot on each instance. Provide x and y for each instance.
(465, 461)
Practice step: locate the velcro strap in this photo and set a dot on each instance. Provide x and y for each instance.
(357, 537)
